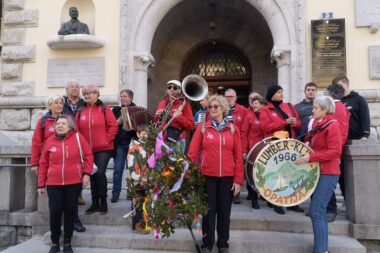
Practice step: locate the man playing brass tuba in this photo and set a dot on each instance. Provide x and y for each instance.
(175, 109)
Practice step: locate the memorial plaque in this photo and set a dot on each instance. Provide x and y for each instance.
(367, 12)
(374, 62)
(328, 50)
(84, 70)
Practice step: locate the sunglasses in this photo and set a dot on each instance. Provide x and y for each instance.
(172, 87)
(213, 107)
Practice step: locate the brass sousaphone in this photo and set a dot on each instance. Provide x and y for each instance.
(195, 88)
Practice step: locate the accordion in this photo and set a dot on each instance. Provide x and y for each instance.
(134, 116)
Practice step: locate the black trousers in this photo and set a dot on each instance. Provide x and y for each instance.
(99, 179)
(63, 199)
(219, 200)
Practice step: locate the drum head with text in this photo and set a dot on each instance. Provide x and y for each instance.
(278, 179)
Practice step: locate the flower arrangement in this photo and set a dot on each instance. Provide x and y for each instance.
(174, 187)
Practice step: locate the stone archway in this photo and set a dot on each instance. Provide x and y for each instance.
(285, 22)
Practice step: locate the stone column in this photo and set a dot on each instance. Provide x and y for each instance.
(30, 190)
(362, 176)
(142, 63)
(282, 58)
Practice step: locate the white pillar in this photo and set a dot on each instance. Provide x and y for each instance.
(141, 64)
(282, 58)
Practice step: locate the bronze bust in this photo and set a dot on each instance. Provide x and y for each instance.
(74, 26)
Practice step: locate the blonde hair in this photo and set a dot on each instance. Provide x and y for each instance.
(91, 88)
(222, 101)
(52, 98)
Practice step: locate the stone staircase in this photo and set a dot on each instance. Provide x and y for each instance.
(259, 231)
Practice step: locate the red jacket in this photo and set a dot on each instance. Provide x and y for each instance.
(250, 131)
(185, 122)
(239, 115)
(219, 152)
(97, 127)
(271, 121)
(342, 115)
(327, 146)
(60, 162)
(40, 135)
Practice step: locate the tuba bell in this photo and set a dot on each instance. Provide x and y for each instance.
(194, 87)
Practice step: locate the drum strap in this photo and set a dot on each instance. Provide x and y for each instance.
(317, 128)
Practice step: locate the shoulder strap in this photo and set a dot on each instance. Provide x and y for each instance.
(43, 121)
(80, 148)
(232, 127)
(291, 109)
(203, 129)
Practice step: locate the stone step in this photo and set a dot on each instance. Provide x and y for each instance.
(120, 237)
(37, 246)
(242, 218)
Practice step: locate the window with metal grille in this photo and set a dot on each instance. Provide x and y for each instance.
(217, 62)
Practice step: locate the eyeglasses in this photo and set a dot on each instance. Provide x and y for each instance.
(210, 107)
(88, 93)
(172, 87)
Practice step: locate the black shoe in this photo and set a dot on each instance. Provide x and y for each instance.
(54, 248)
(114, 199)
(255, 205)
(223, 250)
(78, 227)
(94, 206)
(279, 210)
(93, 209)
(206, 250)
(67, 248)
(296, 208)
(236, 200)
(103, 209)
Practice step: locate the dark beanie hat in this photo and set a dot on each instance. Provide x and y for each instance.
(271, 91)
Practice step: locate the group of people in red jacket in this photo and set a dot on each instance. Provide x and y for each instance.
(63, 153)
(65, 147)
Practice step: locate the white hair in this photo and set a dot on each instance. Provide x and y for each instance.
(326, 103)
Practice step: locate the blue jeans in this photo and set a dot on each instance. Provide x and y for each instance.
(321, 196)
(119, 161)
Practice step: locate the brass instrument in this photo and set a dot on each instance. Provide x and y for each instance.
(194, 88)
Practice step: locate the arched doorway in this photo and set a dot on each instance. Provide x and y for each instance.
(223, 66)
(163, 32)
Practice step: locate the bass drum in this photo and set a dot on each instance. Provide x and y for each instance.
(271, 171)
(250, 160)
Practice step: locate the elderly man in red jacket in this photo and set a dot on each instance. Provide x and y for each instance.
(235, 115)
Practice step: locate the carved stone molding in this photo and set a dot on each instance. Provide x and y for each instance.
(73, 41)
(280, 57)
(143, 61)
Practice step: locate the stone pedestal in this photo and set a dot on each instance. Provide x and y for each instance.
(12, 188)
(362, 183)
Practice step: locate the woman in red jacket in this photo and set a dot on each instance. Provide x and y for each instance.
(279, 116)
(217, 145)
(326, 141)
(251, 134)
(62, 174)
(45, 128)
(97, 124)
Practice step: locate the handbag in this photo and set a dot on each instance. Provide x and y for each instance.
(94, 167)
